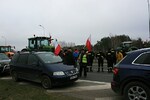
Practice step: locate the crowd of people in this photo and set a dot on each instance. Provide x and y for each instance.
(85, 59)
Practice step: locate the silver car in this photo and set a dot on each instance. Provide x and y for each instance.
(4, 63)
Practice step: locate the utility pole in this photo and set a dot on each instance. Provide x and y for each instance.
(148, 16)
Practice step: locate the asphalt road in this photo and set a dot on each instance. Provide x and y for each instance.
(88, 90)
(96, 86)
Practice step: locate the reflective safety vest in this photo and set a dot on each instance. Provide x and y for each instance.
(84, 59)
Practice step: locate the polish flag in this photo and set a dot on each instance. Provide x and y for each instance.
(88, 44)
(57, 48)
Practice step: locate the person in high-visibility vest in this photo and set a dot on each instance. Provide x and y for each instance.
(83, 63)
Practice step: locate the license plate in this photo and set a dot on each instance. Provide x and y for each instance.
(73, 77)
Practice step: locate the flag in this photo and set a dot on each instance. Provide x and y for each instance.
(88, 44)
(57, 48)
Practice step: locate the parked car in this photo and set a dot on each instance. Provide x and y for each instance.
(4, 63)
(43, 67)
(131, 76)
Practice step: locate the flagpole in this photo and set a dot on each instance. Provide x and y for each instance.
(148, 16)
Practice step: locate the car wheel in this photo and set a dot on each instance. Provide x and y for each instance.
(46, 82)
(14, 76)
(136, 91)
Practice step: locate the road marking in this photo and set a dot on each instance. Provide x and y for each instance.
(92, 81)
(6, 78)
(97, 86)
(94, 85)
(108, 98)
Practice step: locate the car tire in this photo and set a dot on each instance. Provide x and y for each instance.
(136, 91)
(46, 82)
(14, 76)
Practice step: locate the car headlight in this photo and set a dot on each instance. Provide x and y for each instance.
(59, 73)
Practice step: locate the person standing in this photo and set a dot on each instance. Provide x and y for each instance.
(75, 55)
(83, 63)
(69, 57)
(90, 60)
(64, 57)
(100, 58)
(119, 56)
(114, 59)
(109, 60)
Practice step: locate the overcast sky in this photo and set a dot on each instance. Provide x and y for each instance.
(71, 20)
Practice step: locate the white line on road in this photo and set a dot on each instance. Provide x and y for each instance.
(94, 85)
(98, 86)
(108, 98)
(6, 78)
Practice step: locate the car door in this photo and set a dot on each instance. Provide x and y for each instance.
(34, 69)
(144, 62)
(21, 66)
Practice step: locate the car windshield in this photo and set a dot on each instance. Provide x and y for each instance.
(3, 57)
(49, 57)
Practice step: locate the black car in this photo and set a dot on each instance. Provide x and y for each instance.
(4, 63)
(131, 76)
(43, 67)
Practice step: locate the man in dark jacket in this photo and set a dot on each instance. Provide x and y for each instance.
(69, 57)
(100, 57)
(90, 60)
(109, 59)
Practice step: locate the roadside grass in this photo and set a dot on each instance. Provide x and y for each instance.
(10, 90)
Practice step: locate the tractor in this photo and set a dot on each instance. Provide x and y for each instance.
(39, 44)
(127, 46)
(7, 50)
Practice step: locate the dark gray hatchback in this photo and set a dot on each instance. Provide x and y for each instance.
(43, 67)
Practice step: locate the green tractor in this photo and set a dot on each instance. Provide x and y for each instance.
(127, 46)
(39, 44)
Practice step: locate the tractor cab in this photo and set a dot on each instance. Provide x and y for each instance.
(39, 44)
(127, 46)
(7, 50)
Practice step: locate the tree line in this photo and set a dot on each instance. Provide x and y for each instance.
(115, 41)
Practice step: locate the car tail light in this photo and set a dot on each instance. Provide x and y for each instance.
(115, 70)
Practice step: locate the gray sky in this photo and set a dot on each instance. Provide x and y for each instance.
(71, 20)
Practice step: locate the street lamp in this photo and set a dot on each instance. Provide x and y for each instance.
(43, 29)
(4, 39)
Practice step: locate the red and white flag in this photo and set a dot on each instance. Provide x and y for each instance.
(57, 48)
(88, 44)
